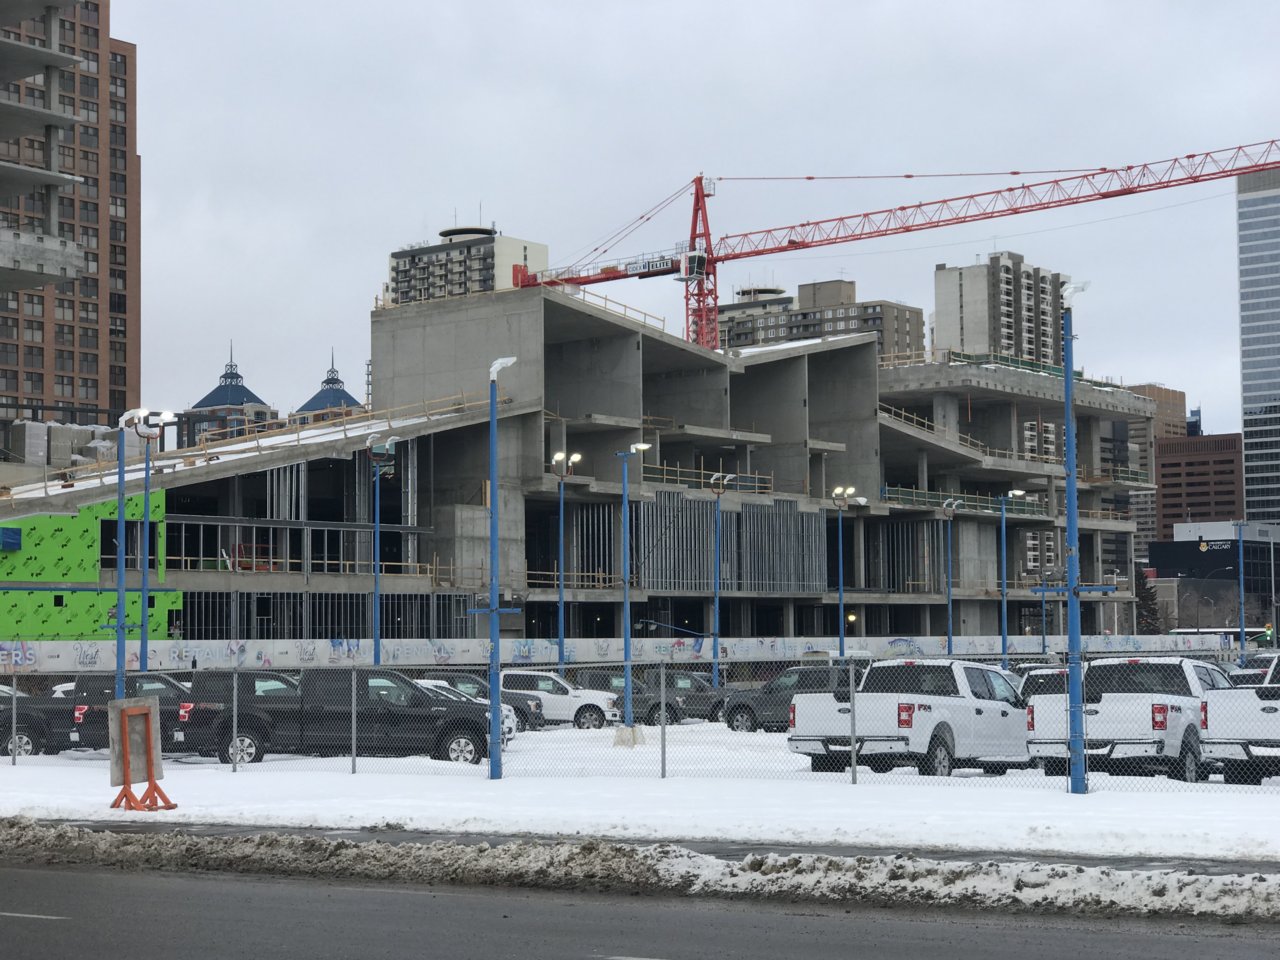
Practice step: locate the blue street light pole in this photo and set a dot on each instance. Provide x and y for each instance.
(840, 497)
(1075, 675)
(1004, 580)
(949, 507)
(719, 483)
(494, 610)
(145, 552)
(628, 719)
(562, 466)
(120, 588)
(1240, 564)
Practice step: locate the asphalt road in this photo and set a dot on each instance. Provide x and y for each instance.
(59, 912)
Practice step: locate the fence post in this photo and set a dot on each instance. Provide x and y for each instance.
(353, 718)
(13, 713)
(853, 724)
(662, 712)
(235, 717)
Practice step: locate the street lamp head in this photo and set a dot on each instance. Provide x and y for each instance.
(860, 501)
(557, 456)
(640, 447)
(574, 458)
(371, 440)
(1017, 493)
(838, 491)
(1073, 290)
(500, 364)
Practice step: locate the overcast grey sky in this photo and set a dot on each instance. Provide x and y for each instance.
(288, 147)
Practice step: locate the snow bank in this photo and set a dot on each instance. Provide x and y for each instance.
(1024, 815)
(600, 865)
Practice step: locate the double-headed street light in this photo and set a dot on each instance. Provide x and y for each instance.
(1004, 581)
(719, 482)
(380, 455)
(841, 496)
(148, 426)
(949, 507)
(626, 455)
(562, 466)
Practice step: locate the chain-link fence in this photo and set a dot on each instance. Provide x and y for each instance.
(1143, 723)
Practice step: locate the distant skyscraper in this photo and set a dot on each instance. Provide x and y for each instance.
(1258, 225)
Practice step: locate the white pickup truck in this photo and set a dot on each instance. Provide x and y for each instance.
(565, 702)
(1142, 715)
(1244, 732)
(936, 715)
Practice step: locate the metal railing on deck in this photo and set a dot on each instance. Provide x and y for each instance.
(701, 478)
(973, 502)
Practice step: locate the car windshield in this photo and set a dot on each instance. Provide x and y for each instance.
(1139, 677)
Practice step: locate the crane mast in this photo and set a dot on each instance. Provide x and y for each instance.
(697, 264)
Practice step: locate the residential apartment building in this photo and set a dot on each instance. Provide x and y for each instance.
(467, 260)
(1198, 480)
(766, 315)
(1258, 230)
(1004, 306)
(69, 344)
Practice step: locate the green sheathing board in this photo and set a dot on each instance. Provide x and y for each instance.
(67, 549)
(59, 551)
(79, 614)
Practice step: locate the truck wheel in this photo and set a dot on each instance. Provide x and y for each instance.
(460, 746)
(1056, 767)
(825, 763)
(938, 761)
(1187, 768)
(22, 742)
(1241, 773)
(589, 718)
(878, 764)
(246, 747)
(742, 720)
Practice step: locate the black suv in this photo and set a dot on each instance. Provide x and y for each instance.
(526, 703)
(698, 698)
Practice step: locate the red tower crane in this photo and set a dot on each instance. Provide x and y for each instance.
(696, 264)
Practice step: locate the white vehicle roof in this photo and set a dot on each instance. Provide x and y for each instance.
(933, 662)
(1112, 661)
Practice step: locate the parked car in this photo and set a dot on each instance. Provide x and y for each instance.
(78, 717)
(768, 707)
(1143, 715)
(563, 701)
(646, 705)
(700, 699)
(312, 714)
(7, 692)
(1244, 726)
(936, 715)
(440, 688)
(526, 704)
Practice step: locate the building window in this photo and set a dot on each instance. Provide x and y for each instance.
(66, 208)
(90, 62)
(88, 389)
(64, 335)
(89, 338)
(8, 380)
(89, 88)
(117, 88)
(89, 188)
(89, 39)
(89, 210)
(89, 237)
(9, 354)
(117, 303)
(88, 161)
(117, 327)
(118, 232)
(119, 256)
(89, 362)
(67, 158)
(90, 263)
(32, 383)
(88, 136)
(116, 207)
(33, 304)
(64, 386)
(119, 112)
(119, 377)
(119, 184)
(32, 357)
(89, 313)
(119, 136)
(64, 360)
(118, 279)
(88, 287)
(119, 353)
(89, 114)
(119, 65)
(8, 328)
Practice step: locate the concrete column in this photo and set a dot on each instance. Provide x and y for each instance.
(859, 530)
(922, 470)
(788, 618)
(946, 414)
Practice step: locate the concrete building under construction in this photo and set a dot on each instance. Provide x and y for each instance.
(269, 536)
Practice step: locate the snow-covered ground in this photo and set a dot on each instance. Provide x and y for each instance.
(721, 786)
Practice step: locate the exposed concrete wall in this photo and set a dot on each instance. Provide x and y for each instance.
(699, 397)
(435, 349)
(598, 376)
(842, 409)
(773, 398)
